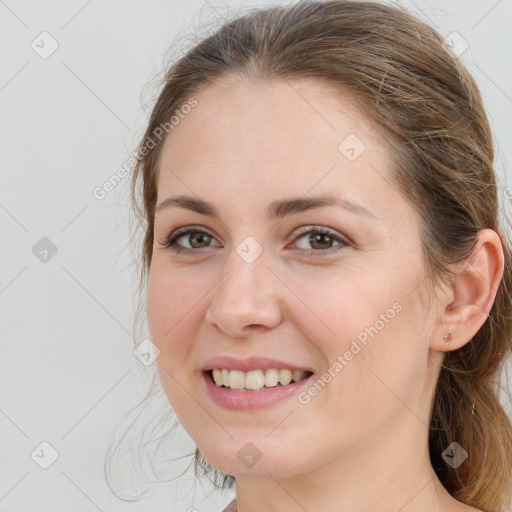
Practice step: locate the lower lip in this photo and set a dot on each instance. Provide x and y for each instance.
(250, 400)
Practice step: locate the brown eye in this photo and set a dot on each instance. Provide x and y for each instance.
(321, 240)
(196, 239)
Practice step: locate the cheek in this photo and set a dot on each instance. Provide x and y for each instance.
(167, 303)
(339, 308)
(164, 310)
(159, 300)
(168, 296)
(370, 323)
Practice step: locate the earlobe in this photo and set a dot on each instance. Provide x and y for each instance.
(473, 293)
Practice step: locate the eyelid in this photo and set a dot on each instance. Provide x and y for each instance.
(185, 230)
(343, 241)
(312, 228)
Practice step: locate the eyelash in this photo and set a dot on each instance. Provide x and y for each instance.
(170, 242)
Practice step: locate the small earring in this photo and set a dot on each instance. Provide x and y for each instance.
(448, 337)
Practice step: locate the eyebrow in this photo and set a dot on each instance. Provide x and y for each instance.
(275, 210)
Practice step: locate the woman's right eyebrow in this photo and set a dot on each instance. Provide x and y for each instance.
(275, 210)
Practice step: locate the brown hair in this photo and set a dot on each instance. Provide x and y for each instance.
(406, 81)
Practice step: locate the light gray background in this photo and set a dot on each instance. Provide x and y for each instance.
(68, 122)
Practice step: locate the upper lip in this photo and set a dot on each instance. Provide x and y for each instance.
(250, 363)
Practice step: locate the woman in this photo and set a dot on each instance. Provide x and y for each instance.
(327, 281)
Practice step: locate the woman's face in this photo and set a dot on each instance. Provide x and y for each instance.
(347, 306)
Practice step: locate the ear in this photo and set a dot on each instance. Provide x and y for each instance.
(467, 304)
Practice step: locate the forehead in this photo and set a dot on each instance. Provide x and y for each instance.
(255, 142)
(277, 128)
(258, 120)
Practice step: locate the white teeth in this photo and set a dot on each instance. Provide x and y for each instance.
(298, 375)
(271, 378)
(285, 377)
(255, 379)
(236, 379)
(217, 377)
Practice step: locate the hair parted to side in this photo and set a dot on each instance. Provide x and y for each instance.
(397, 69)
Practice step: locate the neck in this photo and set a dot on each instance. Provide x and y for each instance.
(392, 473)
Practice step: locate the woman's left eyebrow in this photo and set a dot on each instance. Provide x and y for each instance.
(275, 210)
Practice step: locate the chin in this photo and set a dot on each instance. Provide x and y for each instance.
(255, 459)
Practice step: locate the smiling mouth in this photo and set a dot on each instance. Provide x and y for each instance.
(255, 380)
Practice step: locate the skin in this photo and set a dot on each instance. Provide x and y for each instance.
(361, 443)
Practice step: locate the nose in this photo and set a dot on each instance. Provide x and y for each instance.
(246, 299)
